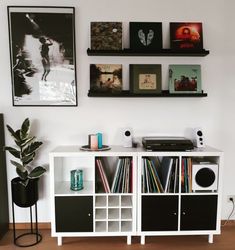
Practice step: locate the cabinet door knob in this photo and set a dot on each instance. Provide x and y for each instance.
(175, 213)
(89, 214)
(183, 213)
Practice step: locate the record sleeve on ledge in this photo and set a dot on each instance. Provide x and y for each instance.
(106, 78)
(106, 35)
(145, 35)
(145, 78)
(185, 79)
(186, 36)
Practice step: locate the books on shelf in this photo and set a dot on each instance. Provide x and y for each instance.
(160, 176)
(122, 178)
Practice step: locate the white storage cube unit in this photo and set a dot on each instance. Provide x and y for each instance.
(132, 192)
(92, 211)
(176, 209)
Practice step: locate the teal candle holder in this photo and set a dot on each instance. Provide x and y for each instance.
(76, 179)
(100, 144)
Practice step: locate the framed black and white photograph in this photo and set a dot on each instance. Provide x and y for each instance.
(42, 49)
(145, 78)
(145, 35)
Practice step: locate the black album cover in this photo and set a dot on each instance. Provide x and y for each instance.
(146, 35)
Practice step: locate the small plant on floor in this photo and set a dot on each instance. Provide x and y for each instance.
(25, 152)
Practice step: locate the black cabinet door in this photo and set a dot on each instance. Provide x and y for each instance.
(198, 212)
(159, 213)
(74, 214)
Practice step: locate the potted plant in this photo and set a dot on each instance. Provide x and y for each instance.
(25, 186)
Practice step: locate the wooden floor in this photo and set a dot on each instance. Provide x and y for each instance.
(225, 241)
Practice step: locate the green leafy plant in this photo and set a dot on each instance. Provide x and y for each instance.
(25, 152)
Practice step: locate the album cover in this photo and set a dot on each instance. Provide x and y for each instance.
(185, 79)
(145, 35)
(186, 35)
(106, 35)
(106, 77)
(145, 78)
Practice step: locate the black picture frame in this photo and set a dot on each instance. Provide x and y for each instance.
(145, 78)
(43, 55)
(186, 36)
(145, 35)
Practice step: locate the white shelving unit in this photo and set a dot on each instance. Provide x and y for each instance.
(92, 212)
(172, 213)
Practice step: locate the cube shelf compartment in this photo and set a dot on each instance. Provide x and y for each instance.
(100, 201)
(100, 213)
(113, 213)
(100, 226)
(126, 201)
(113, 201)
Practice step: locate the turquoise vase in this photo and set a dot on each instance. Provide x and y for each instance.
(76, 179)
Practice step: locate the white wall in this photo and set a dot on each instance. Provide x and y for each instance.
(171, 116)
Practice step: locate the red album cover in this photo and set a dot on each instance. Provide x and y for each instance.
(186, 35)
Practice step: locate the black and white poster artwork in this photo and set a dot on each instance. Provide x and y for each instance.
(42, 46)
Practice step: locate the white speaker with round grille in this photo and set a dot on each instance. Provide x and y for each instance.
(204, 177)
(127, 138)
(198, 138)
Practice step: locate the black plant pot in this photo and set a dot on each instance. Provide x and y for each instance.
(24, 196)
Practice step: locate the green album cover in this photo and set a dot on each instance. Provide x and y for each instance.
(185, 79)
